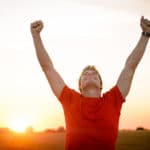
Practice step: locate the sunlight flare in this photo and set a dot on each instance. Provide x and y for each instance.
(19, 124)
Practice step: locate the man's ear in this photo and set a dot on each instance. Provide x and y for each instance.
(80, 88)
(101, 87)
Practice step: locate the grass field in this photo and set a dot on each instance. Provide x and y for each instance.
(133, 140)
(127, 140)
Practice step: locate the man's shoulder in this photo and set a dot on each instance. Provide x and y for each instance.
(68, 93)
(113, 93)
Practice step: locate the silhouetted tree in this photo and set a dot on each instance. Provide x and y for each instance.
(50, 131)
(61, 129)
(139, 128)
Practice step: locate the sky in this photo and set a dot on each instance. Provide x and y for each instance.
(76, 33)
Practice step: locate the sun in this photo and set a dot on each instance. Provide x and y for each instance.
(19, 124)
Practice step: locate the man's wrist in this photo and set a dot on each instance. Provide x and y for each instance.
(146, 34)
(35, 34)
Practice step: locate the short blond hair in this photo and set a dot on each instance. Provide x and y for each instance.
(89, 67)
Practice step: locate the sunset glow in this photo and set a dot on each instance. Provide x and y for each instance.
(19, 124)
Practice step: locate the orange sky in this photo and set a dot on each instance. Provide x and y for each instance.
(72, 29)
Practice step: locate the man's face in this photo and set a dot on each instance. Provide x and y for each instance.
(90, 78)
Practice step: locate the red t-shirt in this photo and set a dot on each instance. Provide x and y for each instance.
(91, 123)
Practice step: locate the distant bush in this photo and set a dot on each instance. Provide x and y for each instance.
(50, 131)
(139, 129)
(61, 129)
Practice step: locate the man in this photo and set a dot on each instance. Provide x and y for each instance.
(91, 118)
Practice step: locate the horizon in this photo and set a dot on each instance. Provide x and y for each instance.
(53, 130)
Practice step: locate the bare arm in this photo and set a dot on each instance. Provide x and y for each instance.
(126, 76)
(54, 79)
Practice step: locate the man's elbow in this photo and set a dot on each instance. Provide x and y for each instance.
(131, 66)
(46, 67)
(43, 66)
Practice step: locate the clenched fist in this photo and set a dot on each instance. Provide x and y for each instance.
(36, 27)
(145, 24)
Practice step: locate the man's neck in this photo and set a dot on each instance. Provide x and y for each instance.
(91, 92)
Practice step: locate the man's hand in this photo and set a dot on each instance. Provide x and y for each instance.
(36, 27)
(145, 24)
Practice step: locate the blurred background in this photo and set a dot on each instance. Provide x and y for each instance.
(76, 33)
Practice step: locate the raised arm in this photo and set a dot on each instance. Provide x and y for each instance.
(54, 79)
(126, 76)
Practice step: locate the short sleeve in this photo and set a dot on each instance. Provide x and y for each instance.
(117, 94)
(115, 97)
(65, 95)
